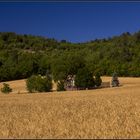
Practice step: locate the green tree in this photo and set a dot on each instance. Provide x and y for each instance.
(59, 68)
(98, 80)
(84, 79)
(38, 83)
(6, 88)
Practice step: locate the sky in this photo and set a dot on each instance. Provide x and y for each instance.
(72, 21)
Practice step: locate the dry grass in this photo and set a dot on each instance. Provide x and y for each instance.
(101, 113)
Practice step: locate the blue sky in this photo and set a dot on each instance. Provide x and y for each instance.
(73, 21)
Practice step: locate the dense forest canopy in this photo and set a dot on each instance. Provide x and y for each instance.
(24, 55)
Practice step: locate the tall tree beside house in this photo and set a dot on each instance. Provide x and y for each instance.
(84, 79)
(98, 80)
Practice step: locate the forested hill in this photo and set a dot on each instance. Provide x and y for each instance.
(24, 55)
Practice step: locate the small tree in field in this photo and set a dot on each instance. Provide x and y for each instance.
(84, 79)
(114, 81)
(6, 88)
(98, 80)
(38, 83)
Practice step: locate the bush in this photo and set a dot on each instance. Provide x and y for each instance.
(98, 80)
(6, 88)
(115, 81)
(39, 84)
(84, 79)
(60, 86)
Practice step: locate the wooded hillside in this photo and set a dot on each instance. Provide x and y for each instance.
(24, 55)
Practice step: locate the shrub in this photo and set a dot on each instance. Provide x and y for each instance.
(84, 79)
(6, 88)
(115, 81)
(60, 86)
(98, 80)
(37, 83)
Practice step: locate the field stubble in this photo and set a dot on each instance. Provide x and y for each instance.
(100, 113)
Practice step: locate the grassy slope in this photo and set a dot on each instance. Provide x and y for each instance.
(101, 113)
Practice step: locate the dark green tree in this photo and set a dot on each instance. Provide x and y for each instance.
(38, 83)
(84, 79)
(98, 80)
(6, 88)
(59, 68)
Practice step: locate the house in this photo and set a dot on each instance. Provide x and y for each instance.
(70, 83)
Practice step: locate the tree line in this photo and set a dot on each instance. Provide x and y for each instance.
(22, 56)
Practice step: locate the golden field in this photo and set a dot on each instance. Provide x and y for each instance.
(100, 113)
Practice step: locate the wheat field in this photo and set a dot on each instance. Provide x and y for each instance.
(100, 113)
